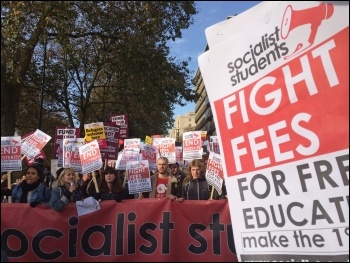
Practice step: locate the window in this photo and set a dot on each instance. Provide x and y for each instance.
(189, 119)
(189, 125)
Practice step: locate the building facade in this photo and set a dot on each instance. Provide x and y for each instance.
(204, 116)
(183, 123)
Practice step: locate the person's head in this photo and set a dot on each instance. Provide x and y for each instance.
(67, 176)
(58, 172)
(110, 174)
(111, 180)
(40, 162)
(34, 173)
(162, 165)
(174, 168)
(4, 176)
(195, 169)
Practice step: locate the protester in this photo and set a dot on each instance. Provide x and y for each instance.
(204, 161)
(110, 186)
(161, 181)
(89, 186)
(84, 183)
(5, 192)
(4, 180)
(49, 178)
(176, 188)
(195, 186)
(31, 190)
(58, 173)
(125, 185)
(67, 190)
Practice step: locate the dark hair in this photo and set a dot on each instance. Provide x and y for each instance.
(177, 164)
(110, 170)
(116, 184)
(58, 172)
(39, 169)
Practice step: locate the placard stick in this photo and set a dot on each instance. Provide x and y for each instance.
(212, 193)
(23, 157)
(106, 160)
(9, 186)
(95, 181)
(124, 181)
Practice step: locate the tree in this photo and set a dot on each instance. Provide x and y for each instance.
(97, 54)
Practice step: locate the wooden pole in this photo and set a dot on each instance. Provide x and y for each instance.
(9, 186)
(212, 193)
(95, 181)
(124, 181)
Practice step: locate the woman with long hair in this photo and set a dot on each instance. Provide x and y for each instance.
(67, 190)
(110, 186)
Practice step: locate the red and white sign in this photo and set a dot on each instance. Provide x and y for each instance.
(166, 148)
(214, 144)
(149, 153)
(279, 92)
(11, 157)
(32, 145)
(71, 155)
(64, 133)
(156, 225)
(138, 177)
(192, 145)
(127, 155)
(90, 157)
(132, 143)
(214, 173)
(178, 152)
(41, 155)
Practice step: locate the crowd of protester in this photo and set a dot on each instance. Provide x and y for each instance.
(38, 186)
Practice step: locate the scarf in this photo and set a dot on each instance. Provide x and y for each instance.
(26, 188)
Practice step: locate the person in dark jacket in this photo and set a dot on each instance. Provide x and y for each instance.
(67, 190)
(32, 190)
(125, 185)
(176, 188)
(110, 186)
(195, 186)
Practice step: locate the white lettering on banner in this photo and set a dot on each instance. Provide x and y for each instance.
(89, 154)
(149, 154)
(192, 142)
(276, 97)
(10, 150)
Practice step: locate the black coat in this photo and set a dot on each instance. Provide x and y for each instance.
(196, 189)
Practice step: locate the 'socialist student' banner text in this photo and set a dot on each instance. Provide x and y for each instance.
(279, 92)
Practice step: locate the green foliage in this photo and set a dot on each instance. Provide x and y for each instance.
(102, 57)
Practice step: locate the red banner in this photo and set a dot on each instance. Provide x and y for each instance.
(146, 230)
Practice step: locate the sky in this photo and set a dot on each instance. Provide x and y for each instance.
(193, 41)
